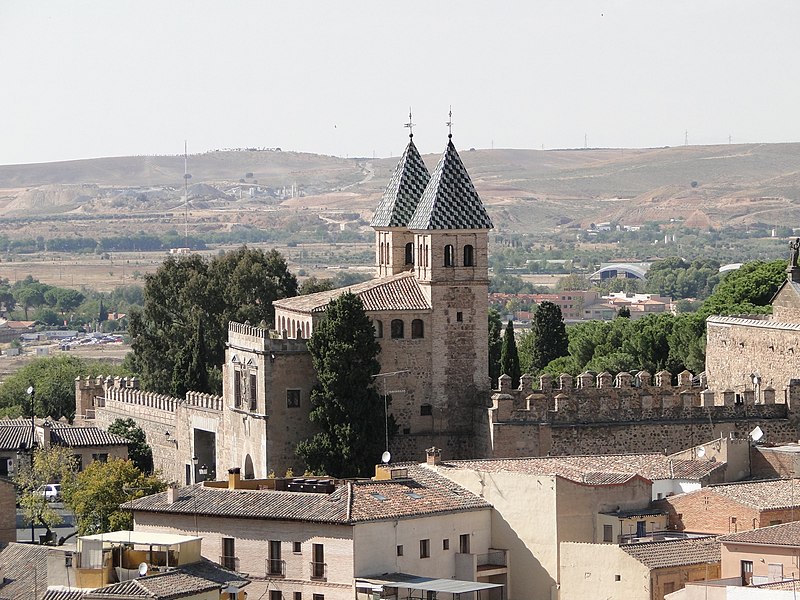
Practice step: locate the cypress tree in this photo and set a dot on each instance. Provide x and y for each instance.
(550, 336)
(509, 359)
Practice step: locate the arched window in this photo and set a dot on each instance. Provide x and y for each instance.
(249, 473)
(420, 260)
(397, 328)
(417, 329)
(426, 255)
(469, 256)
(378, 326)
(380, 253)
(409, 253)
(448, 255)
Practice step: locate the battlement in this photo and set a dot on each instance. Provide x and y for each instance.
(590, 398)
(259, 339)
(96, 392)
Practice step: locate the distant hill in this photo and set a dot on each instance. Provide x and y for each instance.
(525, 190)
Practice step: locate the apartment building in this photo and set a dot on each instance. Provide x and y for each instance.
(323, 539)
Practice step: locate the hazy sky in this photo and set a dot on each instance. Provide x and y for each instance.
(95, 78)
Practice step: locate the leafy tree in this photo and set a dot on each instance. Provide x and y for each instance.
(312, 285)
(345, 403)
(747, 290)
(237, 286)
(509, 359)
(495, 345)
(573, 282)
(29, 293)
(96, 493)
(138, 450)
(64, 300)
(549, 336)
(53, 381)
(55, 464)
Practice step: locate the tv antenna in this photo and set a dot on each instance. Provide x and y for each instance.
(686, 137)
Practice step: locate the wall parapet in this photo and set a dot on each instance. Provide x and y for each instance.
(593, 399)
(244, 335)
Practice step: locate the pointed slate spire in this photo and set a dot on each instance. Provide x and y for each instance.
(450, 200)
(405, 188)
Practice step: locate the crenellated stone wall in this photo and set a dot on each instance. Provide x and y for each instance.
(629, 413)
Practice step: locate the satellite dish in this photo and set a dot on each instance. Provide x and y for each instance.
(386, 457)
(143, 569)
(29, 390)
(756, 434)
(701, 452)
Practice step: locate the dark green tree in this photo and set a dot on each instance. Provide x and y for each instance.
(237, 286)
(495, 345)
(345, 403)
(549, 335)
(509, 359)
(624, 312)
(103, 312)
(138, 450)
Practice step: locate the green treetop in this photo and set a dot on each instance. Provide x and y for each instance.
(509, 359)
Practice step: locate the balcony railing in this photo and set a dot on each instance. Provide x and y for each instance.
(319, 571)
(276, 567)
(229, 562)
(496, 558)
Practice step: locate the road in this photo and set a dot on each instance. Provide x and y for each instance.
(63, 530)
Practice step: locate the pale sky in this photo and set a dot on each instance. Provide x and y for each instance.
(89, 78)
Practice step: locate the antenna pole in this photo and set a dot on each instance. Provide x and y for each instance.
(186, 194)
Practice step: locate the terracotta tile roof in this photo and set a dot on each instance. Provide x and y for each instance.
(396, 292)
(762, 495)
(596, 469)
(77, 437)
(675, 553)
(13, 436)
(423, 493)
(14, 432)
(24, 568)
(785, 534)
(404, 190)
(64, 594)
(450, 200)
(173, 584)
(787, 585)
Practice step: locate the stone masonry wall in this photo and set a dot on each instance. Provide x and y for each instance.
(737, 349)
(588, 415)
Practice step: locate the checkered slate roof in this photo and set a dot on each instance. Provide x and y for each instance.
(450, 200)
(405, 188)
(396, 292)
(604, 469)
(424, 492)
(675, 553)
(24, 568)
(761, 495)
(785, 534)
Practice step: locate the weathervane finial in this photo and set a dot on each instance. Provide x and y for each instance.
(450, 123)
(410, 124)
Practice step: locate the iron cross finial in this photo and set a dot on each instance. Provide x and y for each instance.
(450, 123)
(410, 124)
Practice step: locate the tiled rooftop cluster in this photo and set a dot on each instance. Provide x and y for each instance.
(785, 534)
(424, 492)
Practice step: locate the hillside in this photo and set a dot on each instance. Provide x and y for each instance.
(525, 190)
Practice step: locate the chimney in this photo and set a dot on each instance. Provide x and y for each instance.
(234, 478)
(172, 493)
(433, 455)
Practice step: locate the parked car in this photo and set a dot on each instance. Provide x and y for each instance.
(50, 491)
